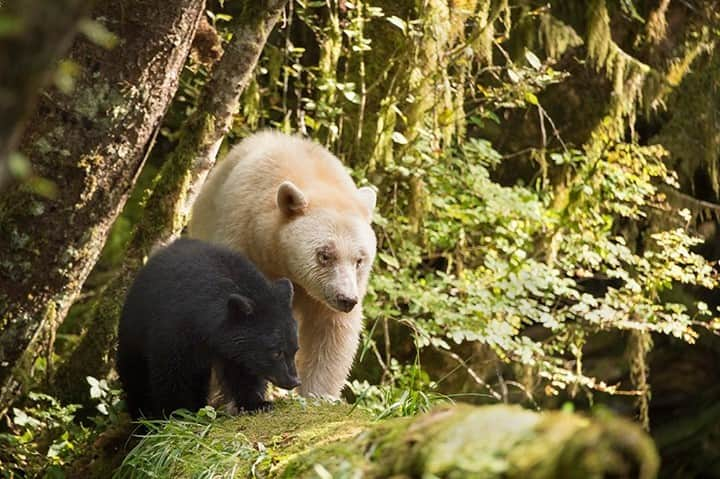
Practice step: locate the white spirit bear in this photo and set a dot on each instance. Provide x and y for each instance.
(290, 206)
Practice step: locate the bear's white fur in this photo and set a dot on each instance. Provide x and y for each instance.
(291, 207)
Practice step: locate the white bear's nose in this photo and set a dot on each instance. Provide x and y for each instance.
(345, 303)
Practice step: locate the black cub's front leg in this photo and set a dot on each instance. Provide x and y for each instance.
(246, 390)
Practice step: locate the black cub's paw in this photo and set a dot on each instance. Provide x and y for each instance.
(262, 406)
(265, 406)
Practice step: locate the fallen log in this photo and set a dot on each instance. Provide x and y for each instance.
(311, 439)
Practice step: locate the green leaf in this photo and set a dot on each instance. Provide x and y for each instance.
(98, 34)
(531, 98)
(21, 418)
(95, 392)
(389, 260)
(321, 472)
(352, 96)
(533, 60)
(19, 166)
(398, 22)
(65, 75)
(207, 412)
(399, 138)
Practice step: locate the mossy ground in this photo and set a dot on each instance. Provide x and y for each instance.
(307, 438)
(264, 444)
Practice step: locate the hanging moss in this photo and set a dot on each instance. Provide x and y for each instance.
(639, 345)
(692, 134)
(556, 37)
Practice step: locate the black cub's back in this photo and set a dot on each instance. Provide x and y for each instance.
(197, 306)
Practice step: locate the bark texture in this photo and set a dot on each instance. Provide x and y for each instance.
(91, 145)
(45, 30)
(175, 188)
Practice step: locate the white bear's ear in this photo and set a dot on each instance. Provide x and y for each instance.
(368, 197)
(290, 199)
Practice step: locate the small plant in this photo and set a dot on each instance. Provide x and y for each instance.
(411, 393)
(45, 435)
(42, 437)
(110, 404)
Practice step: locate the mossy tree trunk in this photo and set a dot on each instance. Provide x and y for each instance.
(90, 145)
(175, 188)
(43, 31)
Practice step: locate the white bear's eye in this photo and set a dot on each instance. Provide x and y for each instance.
(323, 257)
(358, 263)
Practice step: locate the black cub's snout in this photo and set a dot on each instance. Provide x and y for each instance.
(290, 382)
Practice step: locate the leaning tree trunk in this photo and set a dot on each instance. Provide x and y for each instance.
(174, 191)
(27, 60)
(91, 144)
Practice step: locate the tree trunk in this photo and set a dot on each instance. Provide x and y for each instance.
(27, 59)
(176, 187)
(461, 441)
(91, 144)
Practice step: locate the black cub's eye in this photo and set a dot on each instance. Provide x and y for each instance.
(277, 355)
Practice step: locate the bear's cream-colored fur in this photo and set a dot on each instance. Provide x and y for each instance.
(291, 207)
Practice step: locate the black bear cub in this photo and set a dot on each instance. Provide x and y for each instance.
(195, 308)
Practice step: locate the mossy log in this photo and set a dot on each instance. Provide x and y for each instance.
(308, 439)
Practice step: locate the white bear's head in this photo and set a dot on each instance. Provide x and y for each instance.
(329, 246)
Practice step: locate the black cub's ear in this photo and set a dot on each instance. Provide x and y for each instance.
(239, 306)
(285, 286)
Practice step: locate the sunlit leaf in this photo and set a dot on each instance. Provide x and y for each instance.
(399, 138)
(531, 98)
(397, 22)
(97, 33)
(533, 60)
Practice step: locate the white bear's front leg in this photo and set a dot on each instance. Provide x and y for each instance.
(328, 342)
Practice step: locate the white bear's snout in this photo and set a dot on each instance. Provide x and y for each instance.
(344, 296)
(346, 303)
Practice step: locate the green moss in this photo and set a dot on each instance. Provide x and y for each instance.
(170, 186)
(100, 97)
(309, 439)
(282, 442)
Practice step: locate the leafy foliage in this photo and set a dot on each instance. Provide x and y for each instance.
(45, 435)
(533, 269)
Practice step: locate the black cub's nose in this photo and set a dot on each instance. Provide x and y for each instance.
(292, 383)
(345, 303)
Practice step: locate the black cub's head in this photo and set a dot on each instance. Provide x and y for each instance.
(262, 334)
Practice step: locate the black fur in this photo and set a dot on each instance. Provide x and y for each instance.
(196, 306)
